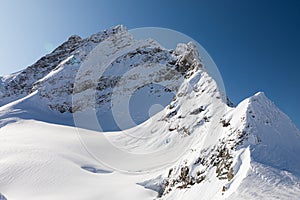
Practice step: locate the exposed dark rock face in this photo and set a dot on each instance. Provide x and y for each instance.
(24, 82)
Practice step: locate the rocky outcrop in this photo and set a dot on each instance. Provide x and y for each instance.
(24, 82)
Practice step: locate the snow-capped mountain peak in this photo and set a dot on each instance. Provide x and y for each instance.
(174, 134)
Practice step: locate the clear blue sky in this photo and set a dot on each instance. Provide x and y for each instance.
(255, 44)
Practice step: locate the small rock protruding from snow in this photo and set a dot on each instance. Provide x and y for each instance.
(189, 58)
(74, 38)
(99, 37)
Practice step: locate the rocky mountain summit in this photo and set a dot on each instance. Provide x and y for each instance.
(22, 83)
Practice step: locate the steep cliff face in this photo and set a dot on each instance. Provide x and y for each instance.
(63, 79)
(22, 83)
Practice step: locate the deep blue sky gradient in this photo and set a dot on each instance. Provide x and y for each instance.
(255, 44)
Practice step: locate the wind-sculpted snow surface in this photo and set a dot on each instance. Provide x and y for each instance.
(114, 117)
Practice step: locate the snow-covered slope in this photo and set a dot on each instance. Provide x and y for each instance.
(22, 83)
(175, 137)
